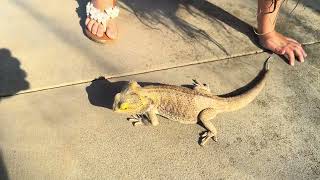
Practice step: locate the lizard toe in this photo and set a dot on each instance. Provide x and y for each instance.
(215, 138)
(204, 141)
(137, 123)
(135, 120)
(206, 136)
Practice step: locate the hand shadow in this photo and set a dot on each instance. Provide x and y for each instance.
(12, 77)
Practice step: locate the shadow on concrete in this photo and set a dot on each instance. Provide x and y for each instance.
(160, 11)
(313, 4)
(240, 90)
(12, 77)
(101, 91)
(81, 11)
(248, 86)
(3, 169)
(154, 12)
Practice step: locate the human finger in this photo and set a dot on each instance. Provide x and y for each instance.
(304, 52)
(280, 50)
(299, 46)
(290, 55)
(298, 53)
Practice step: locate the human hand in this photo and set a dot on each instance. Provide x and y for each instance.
(283, 45)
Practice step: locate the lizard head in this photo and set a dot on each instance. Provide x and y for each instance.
(130, 100)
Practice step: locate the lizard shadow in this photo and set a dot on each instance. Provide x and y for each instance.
(101, 91)
(236, 92)
(240, 90)
(246, 87)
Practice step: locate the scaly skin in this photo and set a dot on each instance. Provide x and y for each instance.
(185, 105)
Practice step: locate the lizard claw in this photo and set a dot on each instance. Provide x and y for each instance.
(206, 136)
(137, 123)
(215, 138)
(135, 120)
(195, 82)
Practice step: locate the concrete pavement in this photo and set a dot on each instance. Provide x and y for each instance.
(52, 50)
(60, 125)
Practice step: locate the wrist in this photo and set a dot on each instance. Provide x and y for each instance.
(266, 24)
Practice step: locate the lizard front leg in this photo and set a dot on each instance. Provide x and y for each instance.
(205, 117)
(136, 119)
(139, 119)
(152, 116)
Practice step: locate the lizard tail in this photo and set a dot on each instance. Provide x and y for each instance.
(225, 104)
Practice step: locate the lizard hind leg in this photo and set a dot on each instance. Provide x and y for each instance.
(205, 117)
(198, 86)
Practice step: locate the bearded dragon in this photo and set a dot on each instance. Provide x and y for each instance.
(182, 104)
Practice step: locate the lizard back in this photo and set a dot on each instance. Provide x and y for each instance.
(179, 103)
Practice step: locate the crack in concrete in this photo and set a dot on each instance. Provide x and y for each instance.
(210, 60)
